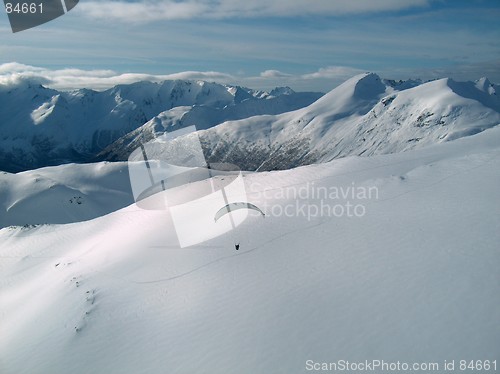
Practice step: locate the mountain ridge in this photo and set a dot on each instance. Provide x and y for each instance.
(365, 115)
(43, 127)
(358, 119)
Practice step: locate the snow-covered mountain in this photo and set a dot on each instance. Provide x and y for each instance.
(253, 129)
(364, 116)
(41, 126)
(203, 117)
(414, 280)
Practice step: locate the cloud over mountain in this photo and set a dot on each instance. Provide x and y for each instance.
(101, 79)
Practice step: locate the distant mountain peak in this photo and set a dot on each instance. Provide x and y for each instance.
(281, 91)
(484, 84)
(401, 85)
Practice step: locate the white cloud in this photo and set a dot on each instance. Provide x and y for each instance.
(333, 72)
(146, 10)
(143, 11)
(274, 74)
(323, 79)
(68, 79)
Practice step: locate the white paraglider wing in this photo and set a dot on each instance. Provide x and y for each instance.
(235, 206)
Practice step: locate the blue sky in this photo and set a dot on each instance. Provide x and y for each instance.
(306, 44)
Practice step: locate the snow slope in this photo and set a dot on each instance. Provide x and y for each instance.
(43, 127)
(413, 280)
(63, 194)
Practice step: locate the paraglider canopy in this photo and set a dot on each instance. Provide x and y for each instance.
(235, 206)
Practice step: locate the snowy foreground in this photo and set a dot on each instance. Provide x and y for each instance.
(415, 279)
